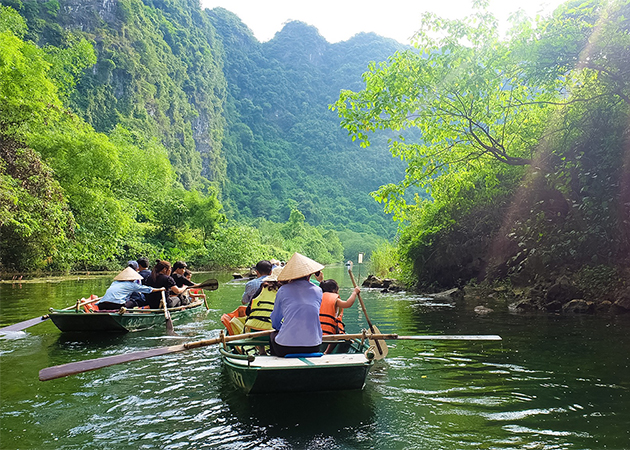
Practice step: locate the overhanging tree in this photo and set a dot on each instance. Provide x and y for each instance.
(465, 90)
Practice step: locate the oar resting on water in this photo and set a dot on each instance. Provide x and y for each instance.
(20, 326)
(209, 284)
(63, 370)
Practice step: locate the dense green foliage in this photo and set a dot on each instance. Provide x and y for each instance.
(523, 146)
(153, 127)
(126, 158)
(284, 147)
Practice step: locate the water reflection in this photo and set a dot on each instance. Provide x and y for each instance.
(303, 420)
(554, 382)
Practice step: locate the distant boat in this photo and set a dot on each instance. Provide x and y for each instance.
(122, 321)
(345, 370)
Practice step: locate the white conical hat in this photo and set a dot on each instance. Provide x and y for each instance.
(299, 266)
(128, 275)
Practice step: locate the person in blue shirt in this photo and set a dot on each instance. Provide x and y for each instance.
(295, 313)
(119, 292)
(143, 264)
(253, 287)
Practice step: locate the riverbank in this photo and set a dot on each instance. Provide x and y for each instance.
(586, 295)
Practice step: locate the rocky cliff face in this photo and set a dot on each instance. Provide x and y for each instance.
(159, 72)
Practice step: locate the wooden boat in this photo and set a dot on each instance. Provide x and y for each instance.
(344, 369)
(86, 320)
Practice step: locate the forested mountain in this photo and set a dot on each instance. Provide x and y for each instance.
(154, 127)
(162, 69)
(284, 146)
(246, 128)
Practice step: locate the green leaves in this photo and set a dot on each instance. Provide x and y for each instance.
(463, 91)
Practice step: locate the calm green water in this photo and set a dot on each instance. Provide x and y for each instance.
(554, 382)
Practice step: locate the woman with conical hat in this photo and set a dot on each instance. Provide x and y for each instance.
(296, 310)
(119, 292)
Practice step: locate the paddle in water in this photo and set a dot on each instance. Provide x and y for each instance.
(20, 326)
(381, 347)
(64, 370)
(50, 373)
(167, 315)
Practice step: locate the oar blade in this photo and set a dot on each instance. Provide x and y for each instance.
(23, 325)
(170, 330)
(456, 337)
(63, 370)
(380, 347)
(209, 285)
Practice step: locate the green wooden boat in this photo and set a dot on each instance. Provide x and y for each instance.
(121, 321)
(344, 369)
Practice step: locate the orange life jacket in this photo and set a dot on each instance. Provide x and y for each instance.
(331, 322)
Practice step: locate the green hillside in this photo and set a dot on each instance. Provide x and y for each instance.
(246, 128)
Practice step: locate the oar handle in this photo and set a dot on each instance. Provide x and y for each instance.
(166, 313)
(236, 337)
(367, 318)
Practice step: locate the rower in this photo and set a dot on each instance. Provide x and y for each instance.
(296, 309)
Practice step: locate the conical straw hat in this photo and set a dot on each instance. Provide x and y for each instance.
(299, 266)
(274, 274)
(128, 275)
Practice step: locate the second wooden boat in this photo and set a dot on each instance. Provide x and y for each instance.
(122, 321)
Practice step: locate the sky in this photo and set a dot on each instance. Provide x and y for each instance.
(339, 20)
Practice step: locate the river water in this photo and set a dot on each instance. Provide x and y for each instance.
(554, 382)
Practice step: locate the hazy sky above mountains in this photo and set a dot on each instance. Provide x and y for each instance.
(339, 20)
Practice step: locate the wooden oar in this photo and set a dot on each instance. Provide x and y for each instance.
(64, 370)
(395, 337)
(37, 320)
(210, 284)
(50, 373)
(167, 315)
(381, 348)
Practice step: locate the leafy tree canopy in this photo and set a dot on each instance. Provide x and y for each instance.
(465, 90)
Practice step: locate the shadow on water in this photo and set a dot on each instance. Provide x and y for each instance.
(303, 420)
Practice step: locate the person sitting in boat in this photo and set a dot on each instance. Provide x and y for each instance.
(143, 264)
(193, 293)
(119, 292)
(296, 309)
(177, 273)
(252, 288)
(160, 278)
(137, 297)
(331, 311)
(318, 277)
(260, 308)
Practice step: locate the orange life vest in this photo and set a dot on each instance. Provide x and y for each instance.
(331, 322)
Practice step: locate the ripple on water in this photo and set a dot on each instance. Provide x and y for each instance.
(543, 432)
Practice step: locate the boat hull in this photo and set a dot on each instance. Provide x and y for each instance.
(114, 322)
(269, 374)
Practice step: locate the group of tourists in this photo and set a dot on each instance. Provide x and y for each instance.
(138, 287)
(300, 310)
(281, 297)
